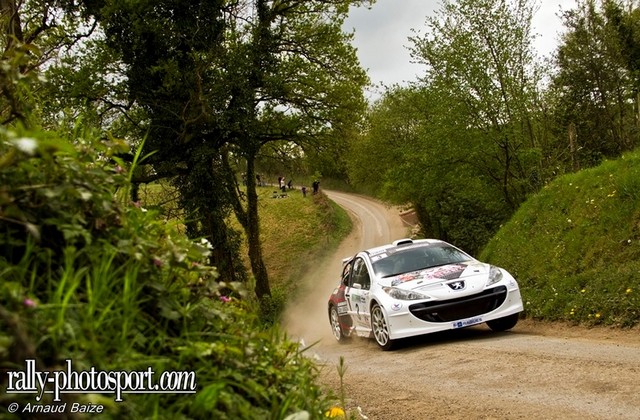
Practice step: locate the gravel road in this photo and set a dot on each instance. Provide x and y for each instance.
(535, 371)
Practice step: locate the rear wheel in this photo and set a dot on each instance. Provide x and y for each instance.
(334, 319)
(503, 324)
(380, 328)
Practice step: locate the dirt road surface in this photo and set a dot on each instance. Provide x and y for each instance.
(535, 371)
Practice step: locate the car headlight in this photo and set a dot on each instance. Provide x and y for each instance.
(402, 294)
(495, 275)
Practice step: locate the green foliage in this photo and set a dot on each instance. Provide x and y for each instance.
(483, 82)
(272, 306)
(280, 72)
(55, 192)
(16, 83)
(574, 247)
(463, 145)
(413, 153)
(593, 94)
(89, 276)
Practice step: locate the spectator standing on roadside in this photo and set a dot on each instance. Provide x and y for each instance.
(316, 186)
(304, 191)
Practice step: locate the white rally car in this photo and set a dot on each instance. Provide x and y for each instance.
(414, 287)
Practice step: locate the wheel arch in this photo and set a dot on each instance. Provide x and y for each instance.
(375, 301)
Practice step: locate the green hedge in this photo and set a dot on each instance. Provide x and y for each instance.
(89, 276)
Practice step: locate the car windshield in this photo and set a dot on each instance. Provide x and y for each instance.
(404, 260)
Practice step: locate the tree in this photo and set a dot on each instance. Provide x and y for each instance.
(252, 73)
(593, 88)
(479, 59)
(175, 75)
(413, 153)
(388, 141)
(32, 34)
(463, 144)
(624, 19)
(300, 82)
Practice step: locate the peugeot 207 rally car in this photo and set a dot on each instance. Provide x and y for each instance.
(414, 287)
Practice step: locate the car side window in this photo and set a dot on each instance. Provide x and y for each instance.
(361, 274)
(346, 274)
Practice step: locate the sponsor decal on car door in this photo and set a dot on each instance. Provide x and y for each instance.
(358, 299)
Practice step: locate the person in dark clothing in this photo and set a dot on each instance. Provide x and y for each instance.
(316, 186)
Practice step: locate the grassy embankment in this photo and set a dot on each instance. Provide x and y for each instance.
(575, 246)
(297, 232)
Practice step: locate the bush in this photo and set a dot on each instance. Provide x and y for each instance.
(89, 276)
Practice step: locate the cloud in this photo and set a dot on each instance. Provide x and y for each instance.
(382, 32)
(381, 37)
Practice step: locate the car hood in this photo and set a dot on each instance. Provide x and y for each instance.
(472, 272)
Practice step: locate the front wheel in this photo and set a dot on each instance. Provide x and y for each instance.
(380, 328)
(503, 324)
(334, 319)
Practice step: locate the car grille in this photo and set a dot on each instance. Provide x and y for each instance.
(464, 307)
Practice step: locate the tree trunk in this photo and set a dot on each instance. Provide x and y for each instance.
(12, 27)
(253, 233)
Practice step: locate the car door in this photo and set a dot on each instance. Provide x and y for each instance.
(357, 295)
(341, 299)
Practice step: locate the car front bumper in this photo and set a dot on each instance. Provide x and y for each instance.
(428, 317)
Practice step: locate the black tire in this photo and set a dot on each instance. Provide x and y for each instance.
(380, 328)
(334, 320)
(503, 324)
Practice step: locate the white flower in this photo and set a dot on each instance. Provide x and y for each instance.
(362, 416)
(300, 415)
(204, 242)
(27, 145)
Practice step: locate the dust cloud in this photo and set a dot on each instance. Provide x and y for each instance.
(307, 318)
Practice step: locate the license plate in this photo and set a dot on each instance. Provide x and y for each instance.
(467, 322)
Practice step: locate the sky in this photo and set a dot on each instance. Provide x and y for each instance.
(382, 32)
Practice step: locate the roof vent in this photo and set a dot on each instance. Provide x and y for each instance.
(404, 241)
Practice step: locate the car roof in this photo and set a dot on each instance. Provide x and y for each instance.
(394, 245)
(400, 243)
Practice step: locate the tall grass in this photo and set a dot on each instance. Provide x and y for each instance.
(575, 246)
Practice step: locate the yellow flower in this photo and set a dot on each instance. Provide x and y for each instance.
(335, 412)
(628, 290)
(583, 290)
(598, 315)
